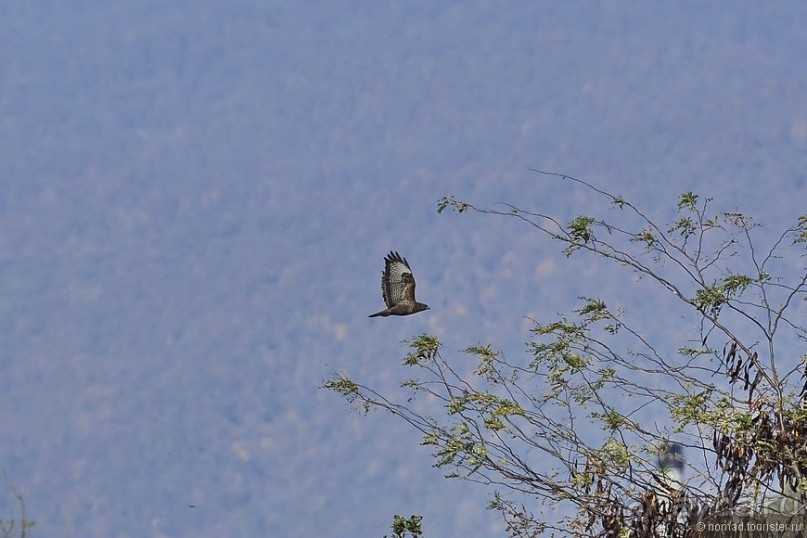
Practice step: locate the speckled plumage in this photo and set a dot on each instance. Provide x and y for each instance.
(398, 288)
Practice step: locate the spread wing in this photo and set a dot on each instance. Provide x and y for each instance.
(397, 282)
(398, 288)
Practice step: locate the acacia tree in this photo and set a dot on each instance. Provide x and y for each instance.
(559, 435)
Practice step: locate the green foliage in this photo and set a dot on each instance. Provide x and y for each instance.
(734, 285)
(565, 424)
(612, 420)
(617, 455)
(580, 233)
(452, 203)
(801, 235)
(487, 362)
(424, 347)
(458, 447)
(403, 527)
(710, 299)
(688, 201)
(594, 310)
(693, 407)
(350, 390)
(685, 227)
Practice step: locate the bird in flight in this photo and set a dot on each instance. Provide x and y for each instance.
(398, 288)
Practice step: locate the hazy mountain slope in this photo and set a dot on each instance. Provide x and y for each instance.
(196, 200)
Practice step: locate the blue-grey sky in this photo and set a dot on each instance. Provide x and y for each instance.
(197, 198)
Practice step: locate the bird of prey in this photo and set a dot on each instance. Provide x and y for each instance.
(398, 288)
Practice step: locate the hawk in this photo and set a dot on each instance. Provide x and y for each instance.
(398, 288)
